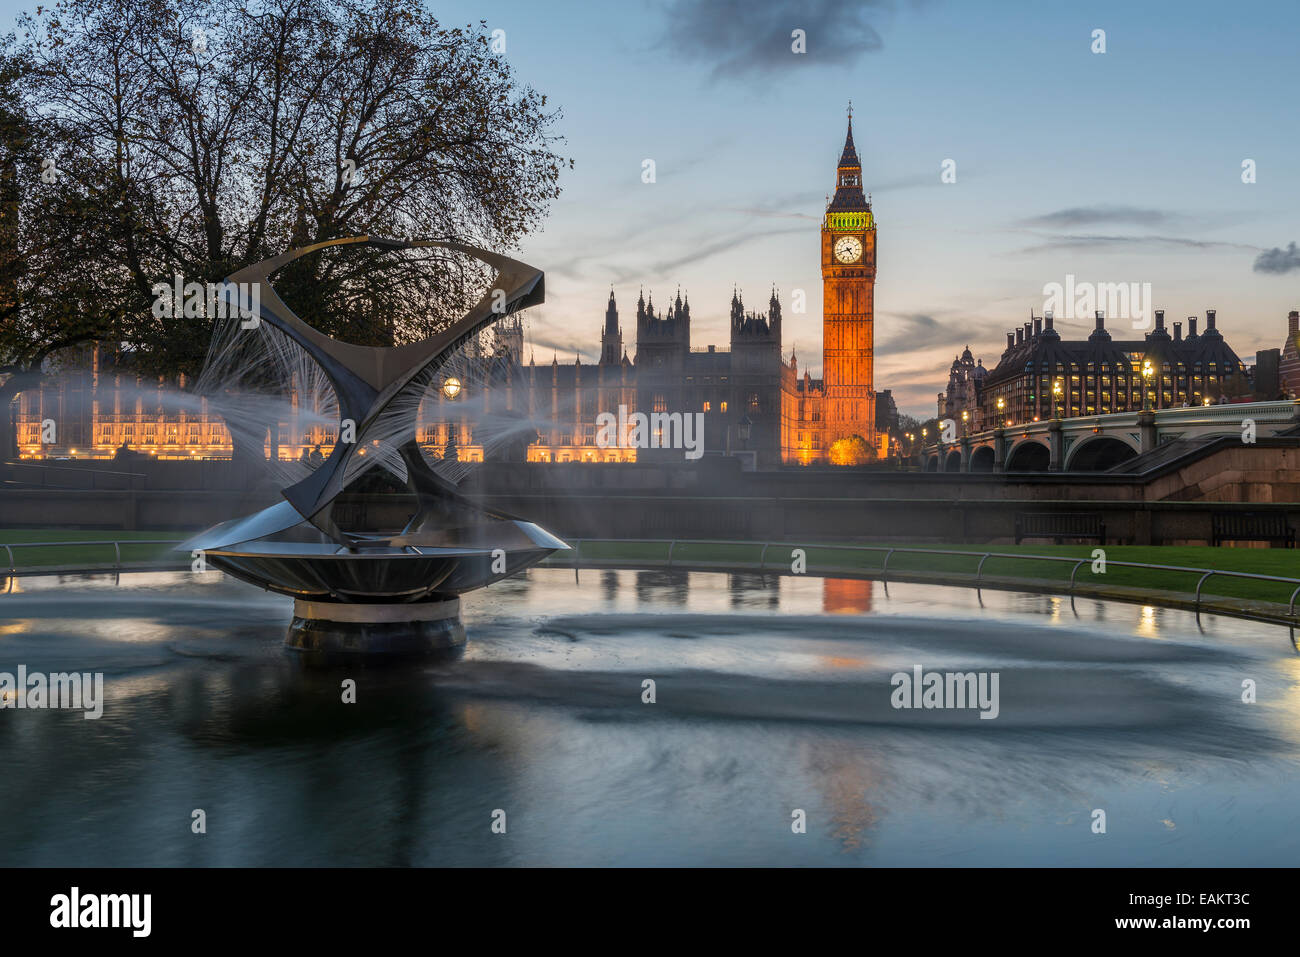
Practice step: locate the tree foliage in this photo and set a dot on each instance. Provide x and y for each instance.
(852, 450)
(196, 137)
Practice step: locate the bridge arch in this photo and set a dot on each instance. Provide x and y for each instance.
(1099, 453)
(952, 461)
(932, 463)
(1029, 455)
(981, 459)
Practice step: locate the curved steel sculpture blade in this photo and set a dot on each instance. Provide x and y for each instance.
(449, 534)
(367, 378)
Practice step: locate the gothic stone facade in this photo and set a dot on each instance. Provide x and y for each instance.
(1041, 376)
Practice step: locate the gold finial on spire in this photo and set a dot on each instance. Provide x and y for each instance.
(850, 111)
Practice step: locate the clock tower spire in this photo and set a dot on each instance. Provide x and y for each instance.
(848, 302)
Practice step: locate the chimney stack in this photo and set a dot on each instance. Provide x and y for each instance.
(1209, 319)
(1047, 319)
(1293, 322)
(1101, 320)
(1038, 327)
(1160, 320)
(1029, 330)
(1020, 335)
(1191, 327)
(1178, 332)
(1011, 340)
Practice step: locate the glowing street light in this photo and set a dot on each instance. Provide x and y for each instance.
(1147, 372)
(451, 387)
(1002, 405)
(1056, 397)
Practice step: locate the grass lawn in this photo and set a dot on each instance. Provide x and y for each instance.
(82, 555)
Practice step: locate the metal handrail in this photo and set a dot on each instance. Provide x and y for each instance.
(890, 550)
(116, 543)
(673, 542)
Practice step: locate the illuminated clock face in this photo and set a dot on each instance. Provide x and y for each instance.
(848, 249)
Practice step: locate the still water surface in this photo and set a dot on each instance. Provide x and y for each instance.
(773, 695)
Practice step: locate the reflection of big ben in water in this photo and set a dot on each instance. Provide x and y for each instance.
(846, 596)
(848, 296)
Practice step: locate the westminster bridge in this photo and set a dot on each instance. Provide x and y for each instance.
(1097, 443)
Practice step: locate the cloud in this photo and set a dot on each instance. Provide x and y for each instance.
(1085, 241)
(770, 213)
(1277, 260)
(1077, 216)
(909, 332)
(722, 245)
(919, 333)
(915, 385)
(1103, 214)
(741, 37)
(784, 207)
(562, 347)
(911, 182)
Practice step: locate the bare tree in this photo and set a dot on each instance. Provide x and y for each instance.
(195, 137)
(44, 248)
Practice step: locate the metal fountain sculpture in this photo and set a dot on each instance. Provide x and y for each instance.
(362, 582)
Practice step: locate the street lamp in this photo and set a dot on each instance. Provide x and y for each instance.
(451, 387)
(1147, 372)
(1002, 404)
(965, 419)
(744, 428)
(1056, 397)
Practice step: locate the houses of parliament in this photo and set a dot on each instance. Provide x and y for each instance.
(754, 402)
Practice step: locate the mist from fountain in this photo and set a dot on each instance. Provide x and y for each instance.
(259, 380)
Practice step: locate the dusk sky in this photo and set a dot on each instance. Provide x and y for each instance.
(1124, 166)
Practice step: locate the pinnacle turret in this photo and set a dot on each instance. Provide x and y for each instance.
(848, 177)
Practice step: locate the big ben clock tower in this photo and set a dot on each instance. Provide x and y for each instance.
(848, 297)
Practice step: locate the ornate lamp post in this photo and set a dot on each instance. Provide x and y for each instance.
(1002, 404)
(451, 388)
(1056, 398)
(965, 422)
(1147, 372)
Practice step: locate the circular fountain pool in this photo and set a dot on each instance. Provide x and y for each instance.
(773, 702)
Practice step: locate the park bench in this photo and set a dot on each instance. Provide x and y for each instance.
(1252, 527)
(1060, 525)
